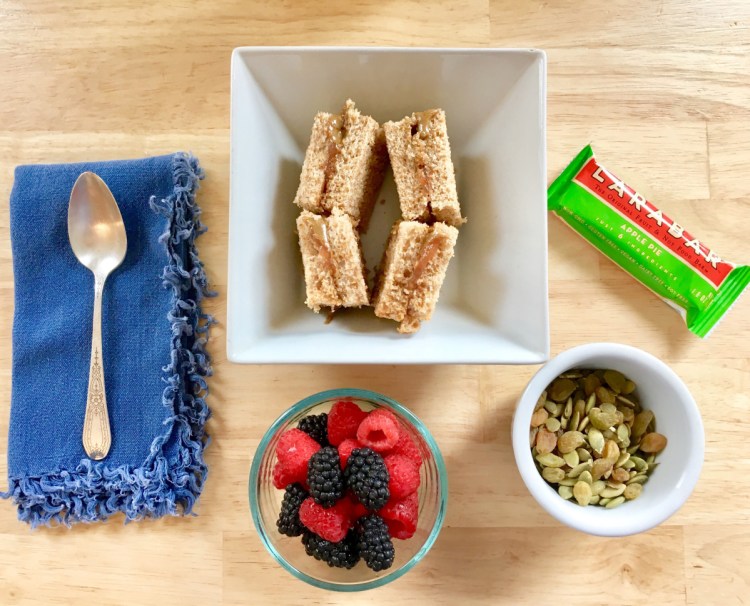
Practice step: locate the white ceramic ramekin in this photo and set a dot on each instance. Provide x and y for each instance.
(677, 417)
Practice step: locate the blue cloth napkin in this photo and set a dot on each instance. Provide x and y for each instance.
(154, 337)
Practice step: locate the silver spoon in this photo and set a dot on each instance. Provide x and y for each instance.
(97, 237)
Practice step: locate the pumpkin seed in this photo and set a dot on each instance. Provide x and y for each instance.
(590, 383)
(591, 439)
(571, 374)
(653, 442)
(571, 458)
(553, 474)
(604, 395)
(611, 493)
(622, 459)
(548, 459)
(561, 389)
(616, 380)
(632, 491)
(590, 403)
(628, 415)
(582, 493)
(597, 487)
(578, 469)
(574, 421)
(566, 492)
(568, 408)
(596, 440)
(583, 455)
(641, 423)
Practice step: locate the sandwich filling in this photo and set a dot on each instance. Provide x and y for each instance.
(335, 133)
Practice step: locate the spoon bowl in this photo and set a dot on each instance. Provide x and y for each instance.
(95, 227)
(97, 236)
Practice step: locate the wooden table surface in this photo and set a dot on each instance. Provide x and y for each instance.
(663, 91)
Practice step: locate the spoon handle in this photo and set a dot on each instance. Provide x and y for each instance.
(97, 438)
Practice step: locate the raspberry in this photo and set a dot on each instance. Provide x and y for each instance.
(294, 450)
(403, 476)
(316, 426)
(401, 516)
(324, 477)
(288, 522)
(330, 524)
(345, 450)
(358, 510)
(367, 476)
(375, 545)
(343, 420)
(406, 446)
(344, 554)
(379, 431)
(281, 476)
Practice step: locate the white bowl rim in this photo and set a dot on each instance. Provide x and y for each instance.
(565, 511)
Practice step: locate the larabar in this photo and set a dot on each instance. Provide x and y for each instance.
(656, 250)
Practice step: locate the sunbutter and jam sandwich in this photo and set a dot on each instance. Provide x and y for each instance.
(344, 165)
(412, 272)
(332, 259)
(341, 176)
(420, 247)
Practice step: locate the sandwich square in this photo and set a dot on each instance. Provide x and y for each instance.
(493, 304)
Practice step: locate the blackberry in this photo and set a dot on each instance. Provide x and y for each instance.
(316, 426)
(288, 522)
(367, 476)
(324, 477)
(344, 554)
(375, 545)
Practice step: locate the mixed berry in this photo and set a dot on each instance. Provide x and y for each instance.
(350, 479)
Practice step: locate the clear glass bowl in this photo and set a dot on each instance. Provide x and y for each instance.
(265, 499)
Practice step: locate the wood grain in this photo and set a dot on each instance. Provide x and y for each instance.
(661, 89)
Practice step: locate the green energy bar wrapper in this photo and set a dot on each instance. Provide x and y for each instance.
(657, 251)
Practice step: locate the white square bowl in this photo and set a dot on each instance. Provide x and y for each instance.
(493, 306)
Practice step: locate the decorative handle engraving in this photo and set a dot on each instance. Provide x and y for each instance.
(97, 438)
